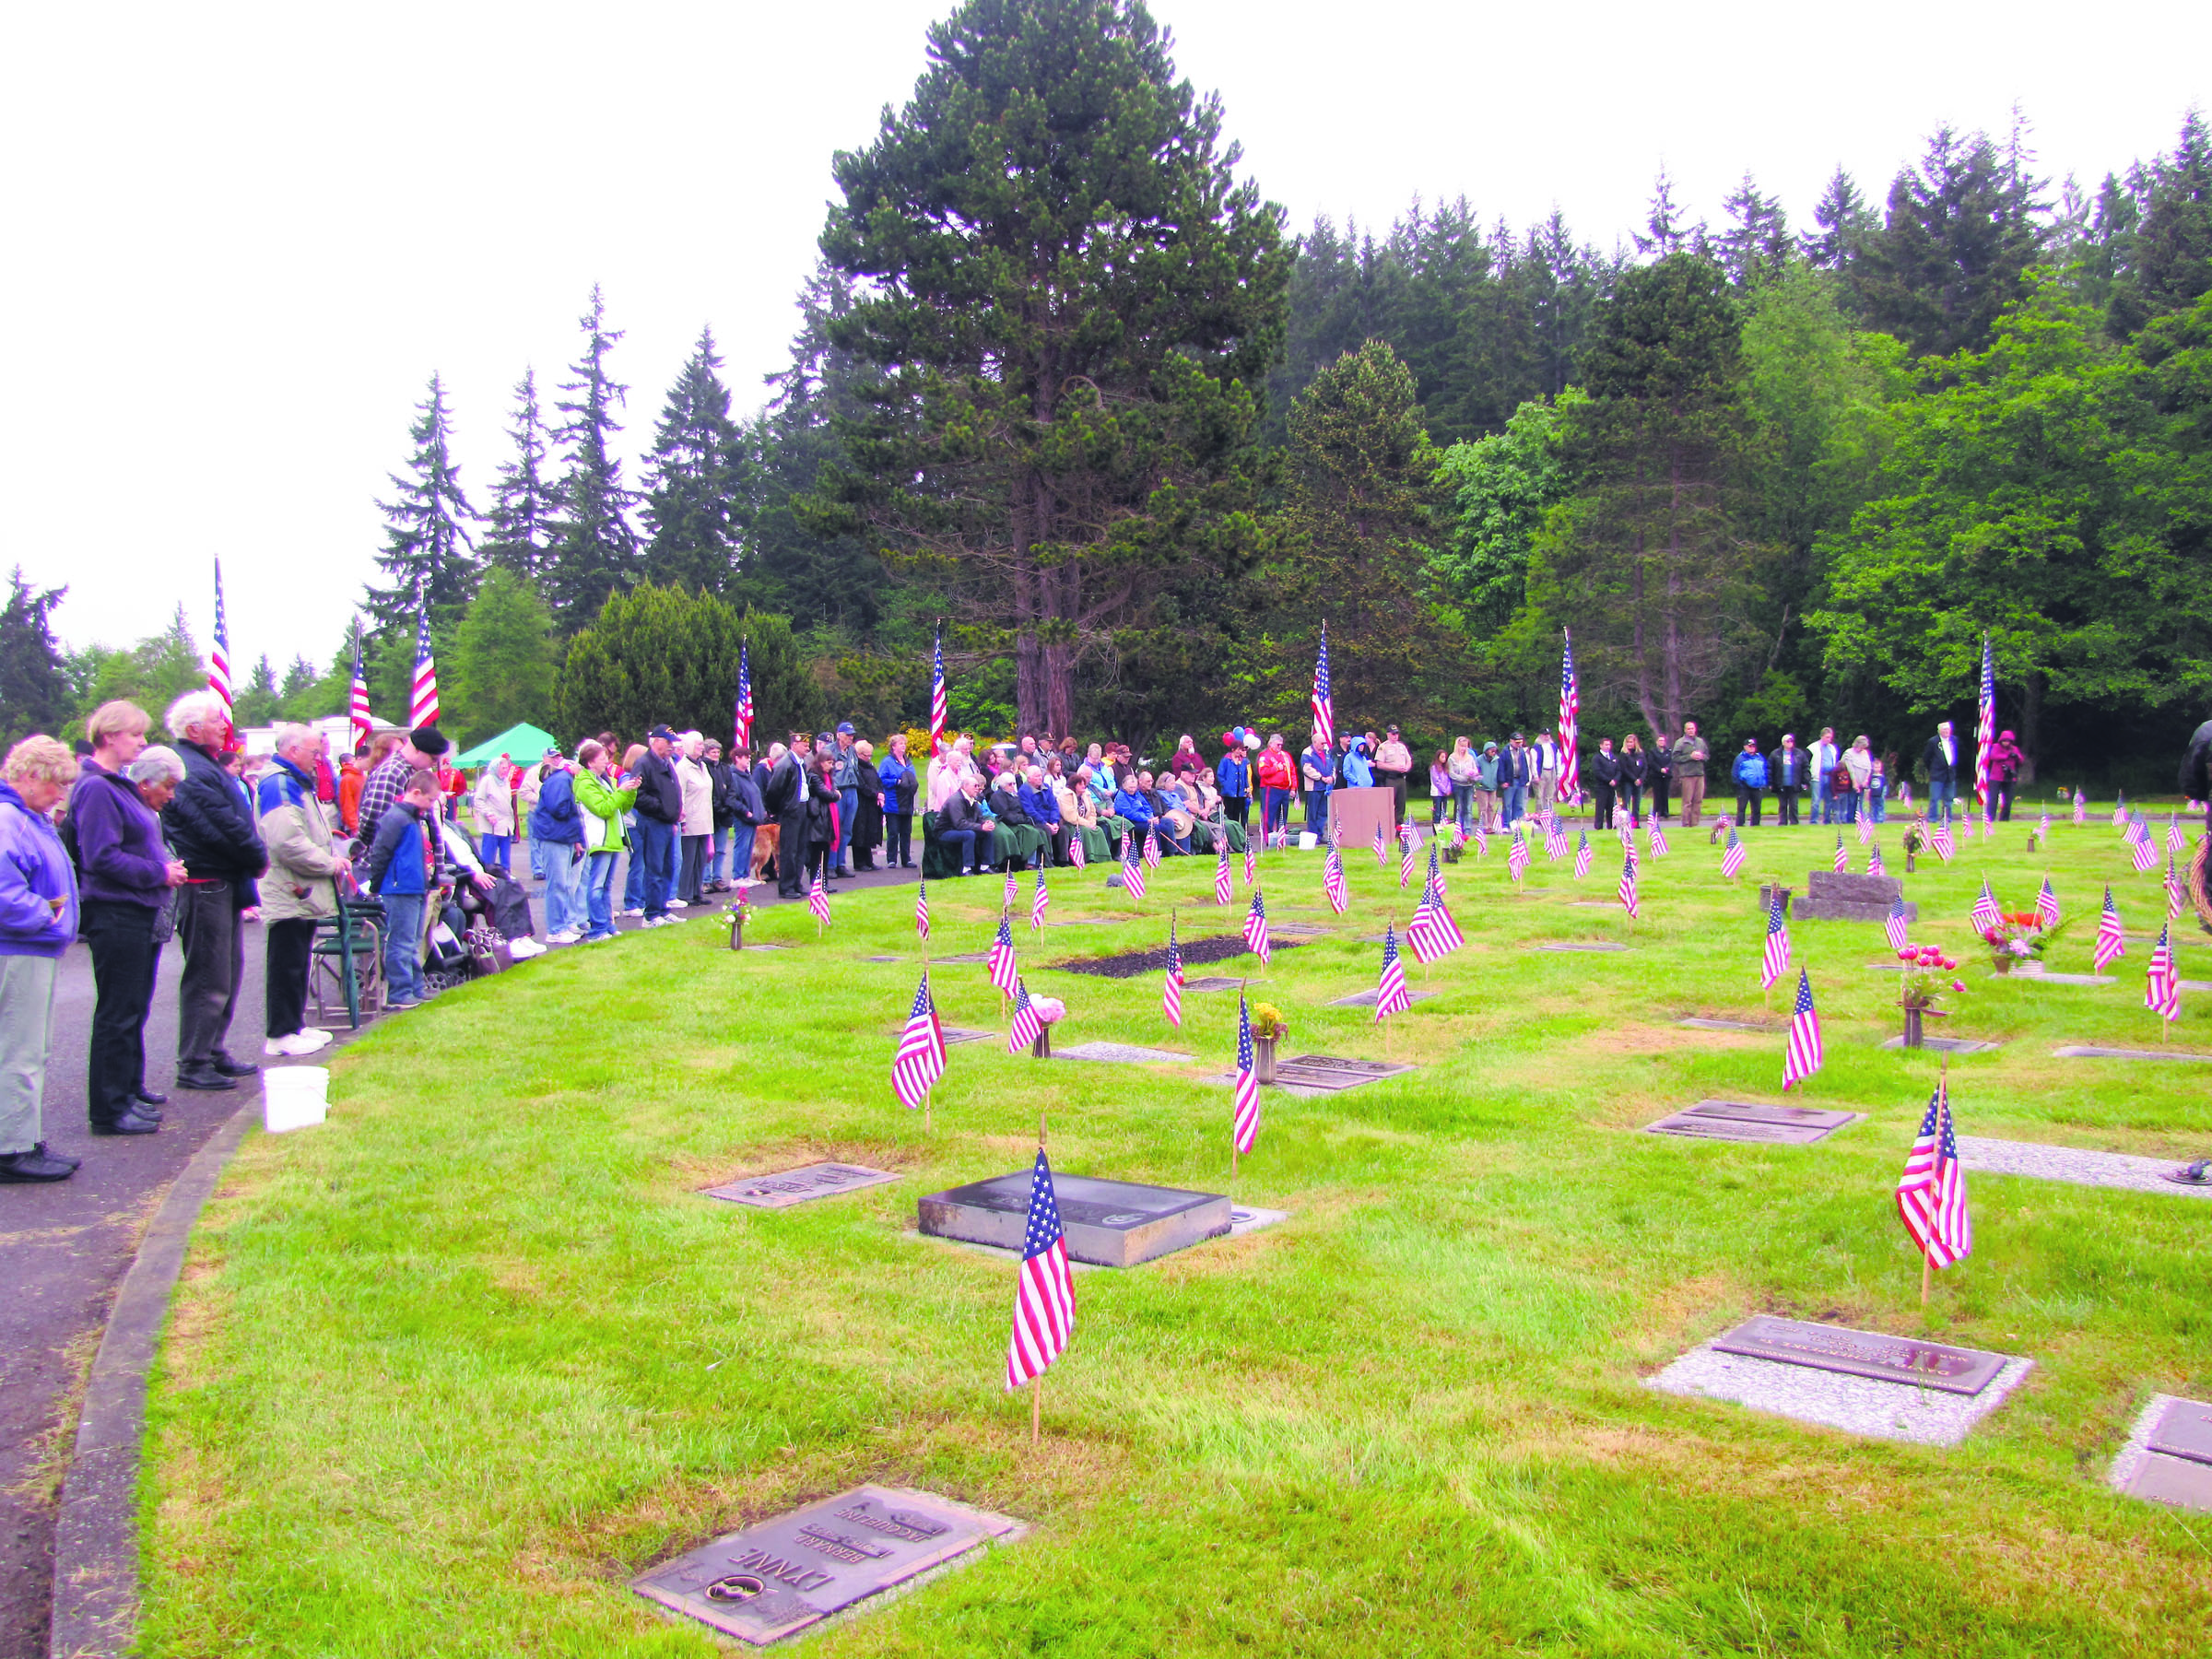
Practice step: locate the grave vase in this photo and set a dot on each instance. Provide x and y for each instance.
(1263, 1058)
(1912, 1028)
(736, 931)
(1042, 1047)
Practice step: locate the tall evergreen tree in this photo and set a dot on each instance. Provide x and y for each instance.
(1755, 246)
(525, 504)
(427, 540)
(691, 480)
(2168, 261)
(1844, 220)
(503, 659)
(34, 687)
(1666, 233)
(595, 549)
(255, 702)
(1070, 301)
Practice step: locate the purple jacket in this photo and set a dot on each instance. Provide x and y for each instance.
(119, 844)
(34, 868)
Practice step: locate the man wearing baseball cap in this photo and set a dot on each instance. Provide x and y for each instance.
(844, 771)
(660, 805)
(420, 750)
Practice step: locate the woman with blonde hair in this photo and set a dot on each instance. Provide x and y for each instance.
(38, 920)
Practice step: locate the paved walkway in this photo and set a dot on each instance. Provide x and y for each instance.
(64, 1249)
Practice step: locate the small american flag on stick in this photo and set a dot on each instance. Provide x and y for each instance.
(1873, 859)
(1252, 862)
(1244, 1101)
(1077, 857)
(2112, 944)
(2120, 809)
(1895, 925)
(1774, 959)
(1001, 966)
(1627, 890)
(1802, 1058)
(1555, 839)
(1391, 995)
(1516, 859)
(922, 909)
(2146, 850)
(1432, 932)
(1027, 1025)
(1843, 859)
(1152, 846)
(1256, 926)
(1045, 1300)
(2046, 904)
(817, 900)
(1732, 858)
(1013, 889)
(2081, 808)
(1658, 840)
(1436, 871)
(1225, 881)
(1939, 838)
(1132, 872)
(2162, 989)
(2177, 895)
(1170, 995)
(1986, 914)
(1332, 880)
(1931, 1195)
(1409, 857)
(1039, 900)
(1382, 848)
(1582, 854)
(2175, 840)
(920, 1060)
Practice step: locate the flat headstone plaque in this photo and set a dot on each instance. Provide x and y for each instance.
(1108, 1223)
(2048, 978)
(1845, 887)
(1366, 999)
(2186, 1431)
(2080, 1052)
(1242, 1221)
(1950, 1045)
(1726, 1025)
(1735, 1129)
(765, 947)
(786, 1187)
(960, 1034)
(2175, 1480)
(2194, 985)
(1581, 945)
(1373, 1068)
(1211, 982)
(887, 959)
(1119, 1053)
(778, 1578)
(1863, 1353)
(965, 955)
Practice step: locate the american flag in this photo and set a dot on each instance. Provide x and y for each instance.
(2046, 904)
(1895, 925)
(1985, 913)
(2112, 944)
(1256, 926)
(2146, 852)
(1658, 840)
(2043, 829)
(1244, 1101)
(1225, 881)
(1774, 960)
(1027, 1025)
(1432, 932)
(1001, 964)
(1077, 857)
(1732, 860)
(1516, 858)
(1985, 726)
(1332, 880)
(2081, 808)
(1039, 900)
(1931, 1195)
(2162, 989)
(1865, 822)
(218, 653)
(1391, 995)
(922, 909)
(364, 724)
(1170, 995)
(817, 900)
(1382, 848)
(1570, 710)
(1133, 873)
(1410, 856)
(1325, 707)
(940, 706)
(1582, 855)
(1436, 872)
(2177, 894)
(1482, 842)
(1939, 838)
(1252, 863)
(920, 1060)
(1013, 889)
(1841, 860)
(1555, 839)
(1873, 859)
(1152, 846)
(1044, 1301)
(1803, 1058)
(1627, 889)
(2119, 808)
(422, 707)
(741, 707)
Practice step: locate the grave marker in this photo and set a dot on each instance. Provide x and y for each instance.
(1840, 895)
(1952, 1045)
(1108, 1223)
(1119, 1053)
(1742, 1121)
(1366, 999)
(2082, 1052)
(785, 1188)
(2168, 1459)
(1582, 944)
(1885, 1358)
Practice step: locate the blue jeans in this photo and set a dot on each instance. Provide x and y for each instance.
(1317, 813)
(656, 852)
(598, 893)
(961, 842)
(848, 810)
(403, 948)
(1463, 806)
(741, 852)
(1877, 804)
(718, 849)
(537, 858)
(1517, 804)
(499, 852)
(1941, 797)
(1274, 810)
(564, 884)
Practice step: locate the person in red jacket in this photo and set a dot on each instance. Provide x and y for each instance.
(2004, 763)
(1278, 780)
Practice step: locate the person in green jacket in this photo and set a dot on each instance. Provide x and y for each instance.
(1690, 755)
(603, 799)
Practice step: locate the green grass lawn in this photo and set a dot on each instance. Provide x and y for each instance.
(447, 1371)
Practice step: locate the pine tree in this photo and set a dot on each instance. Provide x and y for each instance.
(1664, 234)
(1071, 301)
(1845, 222)
(427, 540)
(1755, 246)
(659, 654)
(691, 480)
(2168, 258)
(503, 660)
(255, 701)
(595, 551)
(525, 506)
(34, 689)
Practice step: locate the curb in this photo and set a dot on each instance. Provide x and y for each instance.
(96, 1528)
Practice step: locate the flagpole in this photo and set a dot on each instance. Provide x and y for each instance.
(929, 1094)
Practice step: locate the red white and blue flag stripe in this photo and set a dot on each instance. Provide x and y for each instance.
(1027, 1025)
(422, 705)
(1774, 959)
(1324, 706)
(1001, 963)
(817, 900)
(741, 706)
(1244, 1100)
(1332, 880)
(940, 706)
(1627, 889)
(1391, 993)
(1133, 871)
(1582, 855)
(920, 1060)
(1256, 926)
(1986, 914)
(922, 909)
(1044, 1299)
(1985, 727)
(1895, 925)
(1225, 881)
(364, 723)
(1732, 859)
(2112, 943)
(2163, 988)
(1170, 995)
(2046, 904)
(1802, 1058)
(219, 651)
(1039, 900)
(1931, 1193)
(1571, 710)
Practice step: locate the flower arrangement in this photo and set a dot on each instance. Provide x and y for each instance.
(2018, 936)
(1051, 1010)
(1268, 1022)
(1916, 837)
(1927, 970)
(742, 906)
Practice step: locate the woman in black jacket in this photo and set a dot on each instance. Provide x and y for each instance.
(867, 818)
(1602, 770)
(1634, 771)
(822, 806)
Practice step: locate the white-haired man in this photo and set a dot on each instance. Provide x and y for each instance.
(301, 887)
(213, 834)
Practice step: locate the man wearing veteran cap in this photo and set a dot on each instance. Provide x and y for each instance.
(660, 805)
(844, 771)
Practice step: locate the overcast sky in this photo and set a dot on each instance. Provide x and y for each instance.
(241, 237)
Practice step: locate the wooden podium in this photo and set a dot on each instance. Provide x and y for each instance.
(1356, 814)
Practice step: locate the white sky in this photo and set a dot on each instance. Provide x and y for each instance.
(241, 236)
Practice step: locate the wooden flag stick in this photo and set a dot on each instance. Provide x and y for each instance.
(1036, 1409)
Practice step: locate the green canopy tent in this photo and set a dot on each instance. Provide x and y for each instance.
(524, 743)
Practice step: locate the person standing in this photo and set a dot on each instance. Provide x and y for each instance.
(1463, 770)
(659, 810)
(1633, 771)
(844, 771)
(1544, 773)
(1232, 776)
(1604, 783)
(1278, 783)
(600, 801)
(1825, 757)
(493, 807)
(747, 816)
(351, 779)
(1487, 767)
(695, 821)
(1317, 768)
(785, 797)
(410, 752)
(1659, 770)
(825, 809)
(1750, 775)
(557, 825)
(726, 819)
(207, 823)
(397, 870)
(897, 778)
(1516, 772)
(301, 888)
(1788, 773)
(867, 823)
(1439, 787)
(1391, 765)
(1941, 759)
(2005, 762)
(1854, 777)
(38, 922)
(1690, 758)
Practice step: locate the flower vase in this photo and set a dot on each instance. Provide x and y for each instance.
(1912, 1038)
(1263, 1058)
(1042, 1048)
(2004, 960)
(736, 931)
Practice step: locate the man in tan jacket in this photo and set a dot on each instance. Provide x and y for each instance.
(300, 887)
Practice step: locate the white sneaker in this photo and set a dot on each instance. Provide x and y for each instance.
(679, 904)
(629, 912)
(567, 935)
(292, 1047)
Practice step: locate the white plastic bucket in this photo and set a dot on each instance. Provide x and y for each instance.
(294, 1097)
(1308, 840)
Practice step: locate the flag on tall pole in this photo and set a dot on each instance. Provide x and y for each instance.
(1244, 1101)
(2112, 944)
(940, 706)
(2162, 989)
(1931, 1195)
(1171, 994)
(422, 705)
(364, 724)
(1044, 1298)
(920, 1060)
(1256, 926)
(1324, 706)
(1391, 993)
(218, 653)
(1774, 959)
(741, 707)
(1571, 710)
(1985, 727)
(1803, 1057)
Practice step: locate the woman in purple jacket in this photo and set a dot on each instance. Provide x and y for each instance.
(38, 920)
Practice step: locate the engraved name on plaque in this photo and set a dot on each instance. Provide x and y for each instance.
(1863, 1353)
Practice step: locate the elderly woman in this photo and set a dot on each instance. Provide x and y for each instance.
(38, 920)
(212, 828)
(897, 779)
(129, 877)
(492, 804)
(301, 888)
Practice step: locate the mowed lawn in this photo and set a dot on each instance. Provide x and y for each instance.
(445, 1372)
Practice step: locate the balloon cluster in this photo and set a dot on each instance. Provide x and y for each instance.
(1240, 734)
